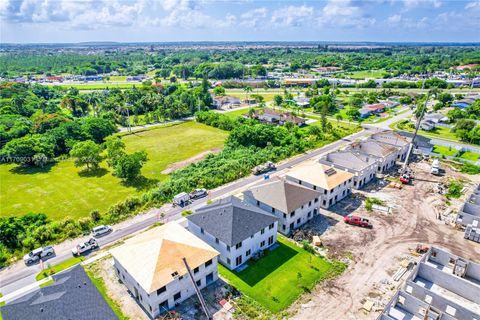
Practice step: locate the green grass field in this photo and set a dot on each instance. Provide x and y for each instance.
(445, 151)
(281, 276)
(468, 155)
(59, 267)
(360, 75)
(62, 190)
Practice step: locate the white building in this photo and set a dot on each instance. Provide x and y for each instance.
(152, 268)
(291, 203)
(394, 139)
(385, 154)
(236, 229)
(333, 184)
(363, 166)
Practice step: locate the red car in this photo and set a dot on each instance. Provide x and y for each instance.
(357, 221)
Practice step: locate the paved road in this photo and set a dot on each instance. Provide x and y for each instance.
(19, 275)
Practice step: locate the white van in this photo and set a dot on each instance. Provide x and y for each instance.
(181, 199)
(435, 167)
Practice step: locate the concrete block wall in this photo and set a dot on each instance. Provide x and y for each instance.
(450, 282)
(439, 302)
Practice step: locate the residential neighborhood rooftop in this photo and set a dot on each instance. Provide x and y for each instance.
(282, 194)
(320, 175)
(72, 296)
(231, 220)
(154, 256)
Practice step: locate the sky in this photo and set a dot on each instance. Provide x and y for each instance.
(48, 21)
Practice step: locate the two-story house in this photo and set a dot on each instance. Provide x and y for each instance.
(363, 166)
(151, 266)
(394, 139)
(237, 229)
(291, 203)
(386, 154)
(333, 184)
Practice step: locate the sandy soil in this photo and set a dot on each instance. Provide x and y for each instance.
(196, 158)
(117, 291)
(377, 253)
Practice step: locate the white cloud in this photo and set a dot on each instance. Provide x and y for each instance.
(411, 4)
(253, 18)
(344, 13)
(394, 19)
(292, 16)
(474, 5)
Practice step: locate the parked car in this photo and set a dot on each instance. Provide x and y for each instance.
(101, 231)
(435, 169)
(198, 193)
(38, 254)
(357, 221)
(85, 246)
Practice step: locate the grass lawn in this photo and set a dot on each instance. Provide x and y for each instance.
(46, 284)
(59, 267)
(360, 75)
(437, 133)
(62, 190)
(281, 276)
(468, 155)
(444, 150)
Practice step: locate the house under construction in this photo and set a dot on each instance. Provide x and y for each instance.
(441, 287)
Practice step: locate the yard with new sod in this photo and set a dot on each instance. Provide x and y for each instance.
(468, 155)
(444, 151)
(59, 267)
(63, 190)
(281, 276)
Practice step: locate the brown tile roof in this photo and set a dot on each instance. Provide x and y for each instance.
(317, 174)
(282, 194)
(154, 255)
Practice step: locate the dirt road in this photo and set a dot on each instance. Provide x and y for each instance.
(378, 252)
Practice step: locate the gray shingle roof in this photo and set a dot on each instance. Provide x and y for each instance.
(231, 220)
(73, 296)
(282, 195)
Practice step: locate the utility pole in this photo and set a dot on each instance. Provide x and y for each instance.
(419, 120)
(197, 290)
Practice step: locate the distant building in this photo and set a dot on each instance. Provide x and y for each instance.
(271, 116)
(152, 268)
(226, 102)
(72, 296)
(467, 66)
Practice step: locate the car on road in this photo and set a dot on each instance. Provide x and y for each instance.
(37, 254)
(101, 231)
(83, 247)
(198, 193)
(357, 221)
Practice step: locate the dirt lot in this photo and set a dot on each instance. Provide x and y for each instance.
(377, 253)
(182, 164)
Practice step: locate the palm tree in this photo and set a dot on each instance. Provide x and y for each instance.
(124, 110)
(93, 99)
(247, 90)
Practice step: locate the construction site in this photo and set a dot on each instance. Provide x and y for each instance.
(407, 221)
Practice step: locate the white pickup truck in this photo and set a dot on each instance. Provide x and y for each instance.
(85, 246)
(435, 167)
